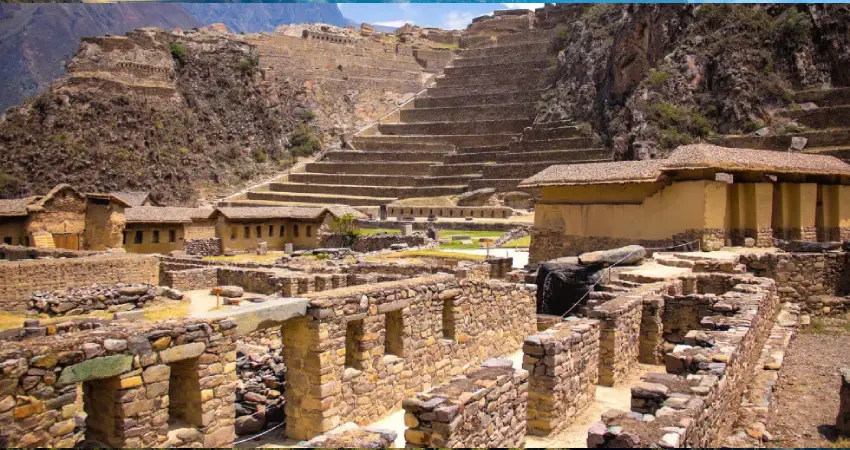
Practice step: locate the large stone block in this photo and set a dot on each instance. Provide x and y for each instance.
(96, 369)
(181, 352)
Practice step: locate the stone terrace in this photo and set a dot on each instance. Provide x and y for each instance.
(472, 129)
(823, 117)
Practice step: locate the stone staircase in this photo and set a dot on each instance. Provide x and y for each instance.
(473, 129)
(823, 117)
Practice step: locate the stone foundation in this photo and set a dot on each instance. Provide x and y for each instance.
(373, 243)
(202, 246)
(19, 280)
(563, 366)
(485, 408)
(136, 382)
(350, 435)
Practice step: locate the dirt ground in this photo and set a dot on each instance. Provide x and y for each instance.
(805, 404)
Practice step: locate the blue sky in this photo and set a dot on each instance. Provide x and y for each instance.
(453, 16)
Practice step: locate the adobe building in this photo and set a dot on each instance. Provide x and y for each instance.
(713, 195)
(243, 228)
(135, 198)
(63, 218)
(162, 229)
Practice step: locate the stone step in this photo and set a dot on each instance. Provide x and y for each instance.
(458, 140)
(826, 138)
(384, 168)
(445, 170)
(820, 118)
(532, 78)
(506, 126)
(526, 37)
(824, 97)
(523, 96)
(672, 261)
(291, 197)
(552, 144)
(538, 133)
(400, 144)
(380, 180)
(494, 69)
(459, 113)
(529, 47)
(499, 184)
(527, 169)
(378, 156)
(564, 156)
(368, 191)
(478, 89)
(483, 149)
(520, 54)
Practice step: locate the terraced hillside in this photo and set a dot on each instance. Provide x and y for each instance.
(822, 119)
(472, 129)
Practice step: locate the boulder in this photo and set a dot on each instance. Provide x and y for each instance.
(477, 197)
(561, 285)
(517, 200)
(131, 291)
(798, 143)
(249, 424)
(230, 291)
(628, 255)
(808, 247)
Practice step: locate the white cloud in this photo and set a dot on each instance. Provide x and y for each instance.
(456, 20)
(395, 23)
(406, 7)
(531, 6)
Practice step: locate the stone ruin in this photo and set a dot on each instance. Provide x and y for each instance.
(334, 348)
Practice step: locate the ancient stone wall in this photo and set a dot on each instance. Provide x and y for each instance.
(202, 246)
(85, 299)
(619, 337)
(485, 408)
(20, 279)
(499, 212)
(362, 349)
(563, 367)
(19, 252)
(135, 383)
(373, 243)
(814, 280)
(706, 374)
(191, 279)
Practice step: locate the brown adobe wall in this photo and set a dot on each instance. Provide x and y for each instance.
(20, 279)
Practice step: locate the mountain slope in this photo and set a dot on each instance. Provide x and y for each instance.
(256, 17)
(36, 39)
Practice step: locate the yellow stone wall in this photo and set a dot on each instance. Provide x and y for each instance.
(104, 226)
(625, 210)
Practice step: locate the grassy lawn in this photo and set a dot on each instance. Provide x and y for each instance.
(436, 254)
(372, 231)
(524, 242)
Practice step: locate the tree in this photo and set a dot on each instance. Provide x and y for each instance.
(346, 226)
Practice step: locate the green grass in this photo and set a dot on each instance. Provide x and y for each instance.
(436, 254)
(523, 242)
(371, 231)
(269, 257)
(829, 325)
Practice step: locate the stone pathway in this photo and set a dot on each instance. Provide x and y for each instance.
(618, 397)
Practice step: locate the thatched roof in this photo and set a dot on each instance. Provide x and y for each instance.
(689, 157)
(597, 173)
(272, 212)
(132, 198)
(166, 214)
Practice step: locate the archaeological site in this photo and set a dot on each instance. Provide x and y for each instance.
(576, 225)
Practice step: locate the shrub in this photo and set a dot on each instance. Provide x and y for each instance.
(657, 78)
(259, 155)
(346, 226)
(303, 141)
(753, 126)
(249, 64)
(685, 120)
(795, 27)
(179, 51)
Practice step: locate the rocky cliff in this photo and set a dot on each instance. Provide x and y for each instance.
(650, 77)
(171, 113)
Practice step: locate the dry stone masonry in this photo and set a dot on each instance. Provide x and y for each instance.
(485, 408)
(115, 298)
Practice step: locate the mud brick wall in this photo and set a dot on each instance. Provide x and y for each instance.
(713, 368)
(804, 277)
(485, 408)
(20, 279)
(563, 367)
(134, 378)
(191, 279)
(363, 349)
